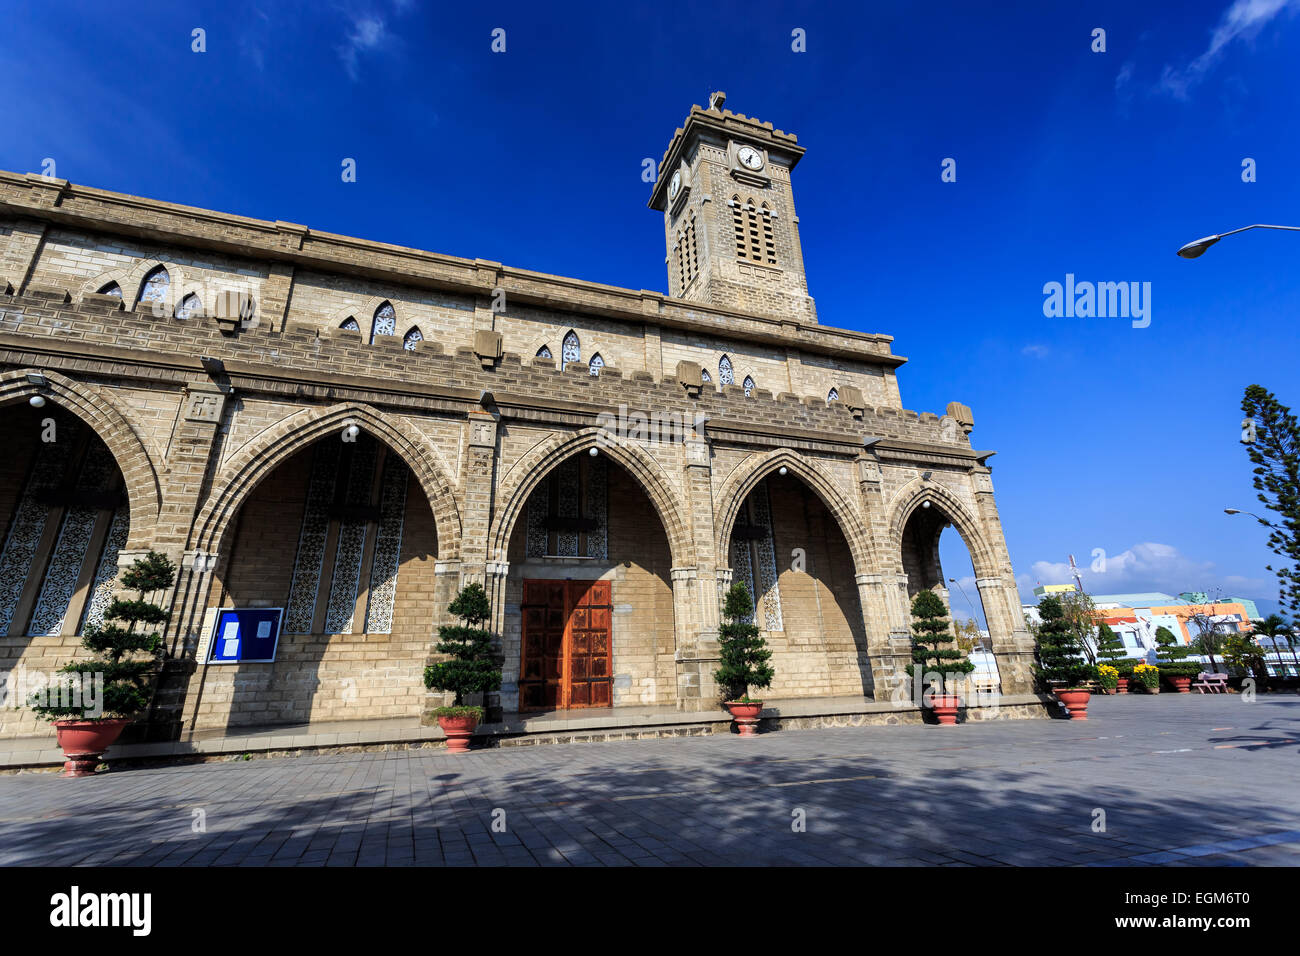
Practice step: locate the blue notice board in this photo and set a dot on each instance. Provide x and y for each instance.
(245, 634)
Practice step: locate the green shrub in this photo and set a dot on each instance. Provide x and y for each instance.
(1170, 654)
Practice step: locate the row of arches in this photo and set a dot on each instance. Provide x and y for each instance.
(348, 539)
(155, 288)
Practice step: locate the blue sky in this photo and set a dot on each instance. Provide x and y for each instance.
(1068, 161)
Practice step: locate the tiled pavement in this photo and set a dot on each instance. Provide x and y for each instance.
(1183, 780)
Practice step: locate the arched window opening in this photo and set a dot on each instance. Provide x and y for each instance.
(833, 395)
(111, 289)
(572, 349)
(544, 353)
(412, 338)
(155, 286)
(726, 376)
(706, 377)
(385, 322)
(596, 364)
(749, 386)
(350, 325)
(189, 307)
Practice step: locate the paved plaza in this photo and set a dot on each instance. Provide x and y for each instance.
(1182, 780)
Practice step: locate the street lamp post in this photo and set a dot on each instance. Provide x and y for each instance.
(1238, 511)
(1195, 249)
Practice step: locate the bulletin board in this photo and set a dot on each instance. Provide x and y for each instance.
(244, 635)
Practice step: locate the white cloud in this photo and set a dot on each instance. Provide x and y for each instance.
(1241, 21)
(368, 33)
(1147, 566)
(1037, 351)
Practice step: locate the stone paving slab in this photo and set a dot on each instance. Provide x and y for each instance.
(1182, 781)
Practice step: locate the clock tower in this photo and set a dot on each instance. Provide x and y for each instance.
(729, 221)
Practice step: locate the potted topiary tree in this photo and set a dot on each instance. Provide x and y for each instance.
(92, 705)
(744, 661)
(473, 668)
(930, 629)
(1170, 661)
(1111, 654)
(1061, 667)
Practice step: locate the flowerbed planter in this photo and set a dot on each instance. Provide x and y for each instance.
(1182, 685)
(83, 743)
(1075, 701)
(945, 708)
(1121, 685)
(459, 728)
(745, 714)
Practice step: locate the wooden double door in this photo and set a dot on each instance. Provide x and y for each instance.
(567, 648)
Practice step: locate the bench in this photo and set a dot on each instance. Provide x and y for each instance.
(1211, 683)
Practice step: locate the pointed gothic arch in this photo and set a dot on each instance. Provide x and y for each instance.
(256, 460)
(96, 407)
(746, 477)
(529, 471)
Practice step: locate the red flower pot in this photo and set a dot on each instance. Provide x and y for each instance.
(945, 708)
(1121, 685)
(458, 729)
(1182, 685)
(83, 742)
(1076, 702)
(746, 716)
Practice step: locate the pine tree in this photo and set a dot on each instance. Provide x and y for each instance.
(744, 653)
(1171, 654)
(474, 666)
(1275, 453)
(930, 630)
(126, 658)
(1110, 650)
(1060, 655)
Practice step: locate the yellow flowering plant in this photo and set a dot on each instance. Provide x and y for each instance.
(1148, 675)
(1108, 677)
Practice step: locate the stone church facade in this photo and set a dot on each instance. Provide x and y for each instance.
(351, 431)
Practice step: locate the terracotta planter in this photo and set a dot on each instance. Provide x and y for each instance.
(1121, 685)
(746, 716)
(1182, 685)
(458, 730)
(1076, 702)
(945, 708)
(83, 742)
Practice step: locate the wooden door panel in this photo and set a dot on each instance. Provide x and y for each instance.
(567, 647)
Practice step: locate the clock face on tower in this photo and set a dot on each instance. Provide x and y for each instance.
(674, 187)
(750, 158)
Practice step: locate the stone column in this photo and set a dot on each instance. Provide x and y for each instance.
(882, 591)
(695, 588)
(1013, 646)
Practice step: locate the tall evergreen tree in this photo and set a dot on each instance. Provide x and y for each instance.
(1275, 453)
(930, 631)
(744, 653)
(1060, 657)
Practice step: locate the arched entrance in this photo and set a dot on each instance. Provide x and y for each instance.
(936, 556)
(340, 536)
(64, 516)
(588, 596)
(785, 544)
